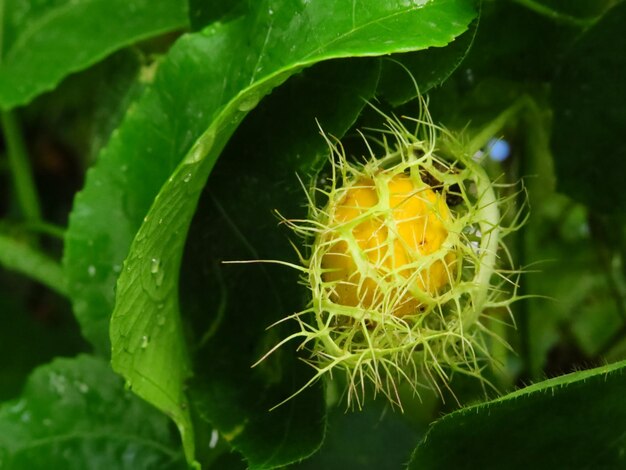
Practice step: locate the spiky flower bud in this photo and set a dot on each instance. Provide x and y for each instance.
(403, 264)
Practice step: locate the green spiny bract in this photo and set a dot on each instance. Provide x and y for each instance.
(403, 265)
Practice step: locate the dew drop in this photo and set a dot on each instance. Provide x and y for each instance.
(201, 148)
(18, 407)
(145, 340)
(156, 271)
(187, 178)
(91, 270)
(249, 102)
(155, 265)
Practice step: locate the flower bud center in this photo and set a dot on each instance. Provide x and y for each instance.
(386, 245)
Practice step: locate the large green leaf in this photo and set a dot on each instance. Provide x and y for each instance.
(44, 41)
(166, 148)
(75, 414)
(262, 161)
(573, 421)
(590, 116)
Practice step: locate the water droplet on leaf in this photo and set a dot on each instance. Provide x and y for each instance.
(250, 101)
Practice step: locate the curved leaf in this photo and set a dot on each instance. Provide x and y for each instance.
(39, 39)
(166, 149)
(75, 414)
(573, 421)
(406, 75)
(262, 160)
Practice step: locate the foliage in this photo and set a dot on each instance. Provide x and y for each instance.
(197, 122)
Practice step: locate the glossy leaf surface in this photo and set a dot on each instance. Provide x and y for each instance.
(44, 41)
(75, 414)
(573, 421)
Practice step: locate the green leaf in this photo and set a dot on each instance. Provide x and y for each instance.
(205, 12)
(43, 42)
(166, 148)
(75, 414)
(36, 326)
(573, 421)
(119, 82)
(404, 75)
(263, 161)
(590, 116)
(372, 438)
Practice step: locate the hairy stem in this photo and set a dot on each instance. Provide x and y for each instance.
(489, 217)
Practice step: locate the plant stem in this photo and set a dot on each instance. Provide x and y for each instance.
(20, 257)
(555, 15)
(494, 127)
(20, 168)
(526, 109)
(47, 228)
(490, 228)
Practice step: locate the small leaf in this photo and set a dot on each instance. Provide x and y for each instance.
(573, 421)
(590, 117)
(45, 41)
(75, 414)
